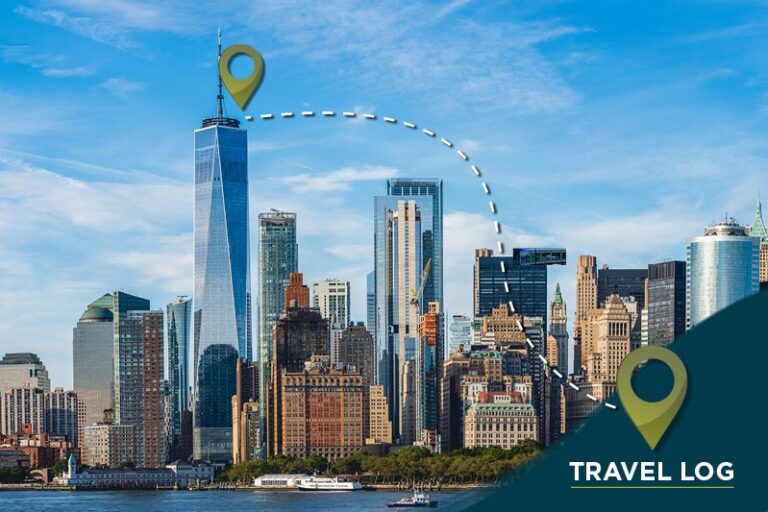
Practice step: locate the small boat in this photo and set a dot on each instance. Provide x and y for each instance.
(319, 483)
(419, 499)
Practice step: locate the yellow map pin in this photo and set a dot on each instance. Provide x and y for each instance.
(652, 419)
(241, 89)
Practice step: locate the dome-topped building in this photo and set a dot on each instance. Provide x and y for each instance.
(97, 314)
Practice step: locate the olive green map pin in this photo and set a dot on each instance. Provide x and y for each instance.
(241, 89)
(652, 419)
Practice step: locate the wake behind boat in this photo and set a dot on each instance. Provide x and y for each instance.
(321, 483)
(419, 499)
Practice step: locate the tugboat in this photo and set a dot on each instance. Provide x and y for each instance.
(419, 499)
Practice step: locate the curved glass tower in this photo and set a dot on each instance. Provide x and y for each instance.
(722, 268)
(222, 293)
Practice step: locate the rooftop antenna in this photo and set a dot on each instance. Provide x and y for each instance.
(220, 97)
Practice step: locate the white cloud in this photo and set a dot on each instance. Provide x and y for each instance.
(121, 87)
(54, 66)
(340, 179)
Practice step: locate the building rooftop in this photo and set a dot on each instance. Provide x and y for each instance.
(20, 358)
(97, 314)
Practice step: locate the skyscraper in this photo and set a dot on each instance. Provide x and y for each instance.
(460, 333)
(665, 302)
(140, 378)
(759, 231)
(586, 300)
(431, 330)
(331, 296)
(222, 289)
(370, 302)
(178, 318)
(61, 414)
(722, 267)
(627, 282)
(127, 356)
(558, 328)
(92, 352)
(278, 258)
(296, 291)
(520, 279)
(23, 369)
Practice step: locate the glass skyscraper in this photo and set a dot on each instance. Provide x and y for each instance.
(278, 258)
(722, 267)
(92, 346)
(222, 293)
(178, 317)
(665, 302)
(427, 196)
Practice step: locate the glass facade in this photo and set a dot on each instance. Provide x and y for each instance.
(278, 258)
(722, 268)
(370, 302)
(665, 302)
(628, 282)
(179, 317)
(525, 286)
(222, 293)
(460, 332)
(92, 341)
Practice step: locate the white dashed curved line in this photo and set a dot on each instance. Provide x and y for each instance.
(492, 205)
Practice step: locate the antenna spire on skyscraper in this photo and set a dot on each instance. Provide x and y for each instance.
(220, 97)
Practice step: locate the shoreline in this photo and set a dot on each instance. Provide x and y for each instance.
(219, 487)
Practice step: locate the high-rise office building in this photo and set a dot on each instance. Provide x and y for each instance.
(558, 329)
(759, 231)
(178, 318)
(141, 350)
(519, 279)
(665, 302)
(431, 330)
(722, 267)
(392, 268)
(586, 300)
(23, 369)
(460, 333)
(278, 258)
(92, 353)
(379, 424)
(370, 302)
(627, 282)
(221, 322)
(127, 356)
(331, 297)
(299, 334)
(61, 414)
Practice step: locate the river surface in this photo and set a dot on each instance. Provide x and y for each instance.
(220, 501)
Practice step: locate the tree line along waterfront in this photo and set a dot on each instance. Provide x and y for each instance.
(411, 465)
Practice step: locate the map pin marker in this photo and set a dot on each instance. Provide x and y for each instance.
(241, 89)
(652, 419)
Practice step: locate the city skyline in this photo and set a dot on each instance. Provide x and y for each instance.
(81, 197)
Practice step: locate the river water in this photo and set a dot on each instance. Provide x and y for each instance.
(219, 501)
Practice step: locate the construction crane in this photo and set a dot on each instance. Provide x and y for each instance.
(416, 296)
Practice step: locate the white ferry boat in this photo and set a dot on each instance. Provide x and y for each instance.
(321, 483)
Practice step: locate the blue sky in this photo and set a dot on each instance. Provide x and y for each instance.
(612, 128)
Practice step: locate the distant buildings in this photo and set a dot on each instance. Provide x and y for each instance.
(759, 231)
(665, 302)
(460, 332)
(92, 354)
(627, 282)
(380, 426)
(23, 369)
(60, 419)
(179, 325)
(22, 406)
(722, 267)
(499, 419)
(331, 297)
(246, 425)
(299, 334)
(558, 329)
(322, 410)
(586, 300)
